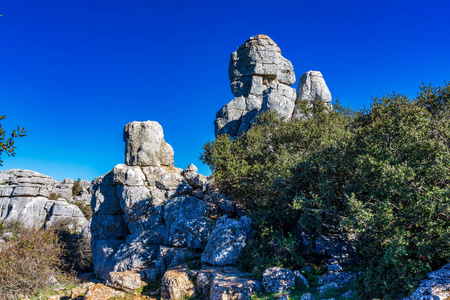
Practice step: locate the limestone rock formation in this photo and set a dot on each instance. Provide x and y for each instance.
(150, 214)
(260, 78)
(128, 281)
(25, 198)
(100, 291)
(436, 286)
(311, 88)
(176, 285)
(85, 194)
(145, 145)
(226, 242)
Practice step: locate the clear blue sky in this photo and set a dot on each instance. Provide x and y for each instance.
(73, 73)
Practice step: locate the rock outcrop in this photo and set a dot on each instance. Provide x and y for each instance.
(260, 78)
(223, 283)
(278, 280)
(145, 145)
(37, 201)
(311, 88)
(151, 216)
(226, 241)
(435, 287)
(176, 285)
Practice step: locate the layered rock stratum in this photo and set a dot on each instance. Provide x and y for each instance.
(37, 201)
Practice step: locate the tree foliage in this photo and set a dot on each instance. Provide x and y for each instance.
(381, 174)
(7, 144)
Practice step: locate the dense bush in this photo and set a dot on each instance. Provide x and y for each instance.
(255, 169)
(76, 188)
(382, 174)
(32, 261)
(29, 263)
(77, 255)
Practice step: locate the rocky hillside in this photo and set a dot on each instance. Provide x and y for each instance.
(36, 201)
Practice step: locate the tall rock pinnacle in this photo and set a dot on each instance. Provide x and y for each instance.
(145, 145)
(311, 88)
(260, 78)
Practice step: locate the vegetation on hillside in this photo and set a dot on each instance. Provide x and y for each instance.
(381, 174)
(32, 261)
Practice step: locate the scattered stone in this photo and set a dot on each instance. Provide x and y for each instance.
(334, 268)
(101, 292)
(282, 296)
(329, 286)
(348, 294)
(340, 278)
(278, 280)
(77, 292)
(128, 281)
(226, 283)
(175, 284)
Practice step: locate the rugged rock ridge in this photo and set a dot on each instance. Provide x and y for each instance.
(38, 201)
(260, 78)
(149, 217)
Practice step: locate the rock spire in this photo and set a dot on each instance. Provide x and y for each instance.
(261, 79)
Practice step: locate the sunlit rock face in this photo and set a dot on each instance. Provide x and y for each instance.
(145, 145)
(311, 89)
(147, 210)
(261, 79)
(38, 201)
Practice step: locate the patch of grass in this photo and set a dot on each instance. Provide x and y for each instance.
(54, 196)
(30, 263)
(85, 209)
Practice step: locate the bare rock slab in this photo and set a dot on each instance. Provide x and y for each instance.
(176, 285)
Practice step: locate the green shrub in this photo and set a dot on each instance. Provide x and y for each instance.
(76, 188)
(255, 168)
(382, 174)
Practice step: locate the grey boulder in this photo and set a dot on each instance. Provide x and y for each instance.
(278, 280)
(226, 242)
(145, 145)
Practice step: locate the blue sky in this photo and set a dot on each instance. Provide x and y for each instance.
(73, 73)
